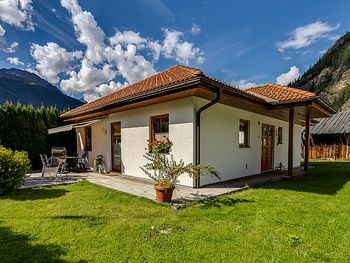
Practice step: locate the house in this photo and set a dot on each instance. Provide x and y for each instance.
(330, 137)
(241, 133)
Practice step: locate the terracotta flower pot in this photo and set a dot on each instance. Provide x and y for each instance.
(164, 194)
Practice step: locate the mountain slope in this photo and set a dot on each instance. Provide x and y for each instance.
(330, 76)
(22, 86)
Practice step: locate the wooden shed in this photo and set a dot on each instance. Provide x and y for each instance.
(330, 137)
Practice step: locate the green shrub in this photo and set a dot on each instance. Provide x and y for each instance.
(13, 167)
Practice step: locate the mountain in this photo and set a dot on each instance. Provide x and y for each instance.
(27, 88)
(330, 76)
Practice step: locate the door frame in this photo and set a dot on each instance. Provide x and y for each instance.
(272, 147)
(112, 146)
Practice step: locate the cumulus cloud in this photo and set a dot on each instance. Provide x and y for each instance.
(244, 84)
(126, 56)
(51, 60)
(128, 37)
(182, 51)
(15, 61)
(87, 31)
(17, 13)
(12, 48)
(306, 35)
(288, 77)
(88, 78)
(195, 30)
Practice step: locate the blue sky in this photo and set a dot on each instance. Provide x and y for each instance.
(91, 48)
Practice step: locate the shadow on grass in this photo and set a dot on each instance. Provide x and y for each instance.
(18, 248)
(219, 202)
(46, 192)
(327, 178)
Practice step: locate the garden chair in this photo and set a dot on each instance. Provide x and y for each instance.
(47, 166)
(82, 162)
(58, 159)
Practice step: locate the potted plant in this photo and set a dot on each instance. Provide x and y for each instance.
(99, 164)
(165, 171)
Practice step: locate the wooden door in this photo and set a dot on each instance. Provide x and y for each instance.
(267, 143)
(116, 146)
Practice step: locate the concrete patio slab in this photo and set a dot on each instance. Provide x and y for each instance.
(35, 180)
(144, 187)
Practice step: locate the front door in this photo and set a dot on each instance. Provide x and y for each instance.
(116, 146)
(267, 137)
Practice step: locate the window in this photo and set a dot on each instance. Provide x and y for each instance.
(243, 133)
(159, 127)
(88, 140)
(279, 135)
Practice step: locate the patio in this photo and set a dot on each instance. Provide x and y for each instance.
(144, 187)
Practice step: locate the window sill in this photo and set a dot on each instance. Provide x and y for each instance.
(244, 146)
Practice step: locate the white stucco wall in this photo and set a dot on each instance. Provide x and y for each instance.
(220, 147)
(219, 138)
(135, 133)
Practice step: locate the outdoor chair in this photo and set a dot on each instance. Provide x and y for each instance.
(47, 166)
(58, 159)
(82, 161)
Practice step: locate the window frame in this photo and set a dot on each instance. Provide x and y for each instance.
(88, 145)
(246, 143)
(279, 135)
(152, 119)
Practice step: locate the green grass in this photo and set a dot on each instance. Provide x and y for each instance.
(304, 220)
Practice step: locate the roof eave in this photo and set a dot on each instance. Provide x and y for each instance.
(144, 95)
(201, 79)
(302, 102)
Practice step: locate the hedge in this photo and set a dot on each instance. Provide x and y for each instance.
(25, 128)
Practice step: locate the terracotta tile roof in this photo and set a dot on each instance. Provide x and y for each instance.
(170, 76)
(280, 93)
(268, 92)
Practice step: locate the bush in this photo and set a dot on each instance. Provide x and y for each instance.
(13, 167)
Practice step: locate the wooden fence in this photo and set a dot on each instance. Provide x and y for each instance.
(329, 151)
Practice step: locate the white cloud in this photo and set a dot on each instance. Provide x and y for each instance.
(334, 38)
(244, 84)
(105, 89)
(51, 60)
(17, 13)
(306, 35)
(2, 31)
(12, 48)
(126, 55)
(288, 77)
(87, 30)
(15, 61)
(195, 30)
(88, 78)
(182, 51)
(128, 37)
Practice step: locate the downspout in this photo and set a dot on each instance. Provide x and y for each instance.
(198, 129)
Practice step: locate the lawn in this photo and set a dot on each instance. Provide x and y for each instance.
(304, 220)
